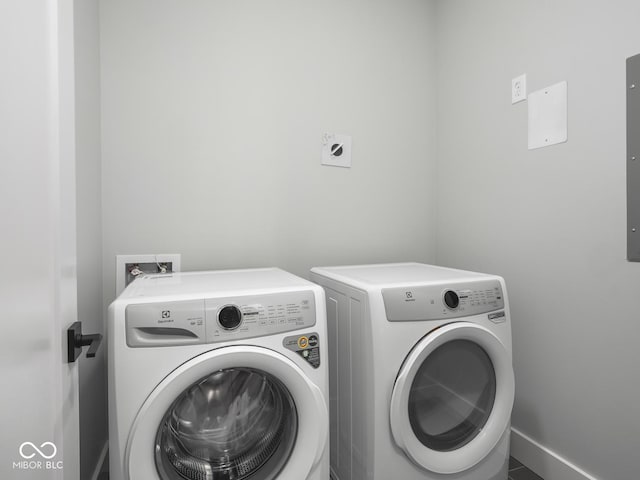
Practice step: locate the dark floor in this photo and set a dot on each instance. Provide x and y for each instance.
(517, 471)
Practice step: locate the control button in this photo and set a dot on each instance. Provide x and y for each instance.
(313, 340)
(303, 342)
(451, 299)
(229, 317)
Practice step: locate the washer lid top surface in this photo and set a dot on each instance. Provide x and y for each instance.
(452, 399)
(220, 282)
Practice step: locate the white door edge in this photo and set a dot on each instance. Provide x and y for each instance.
(64, 188)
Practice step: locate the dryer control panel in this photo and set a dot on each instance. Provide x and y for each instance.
(435, 302)
(211, 320)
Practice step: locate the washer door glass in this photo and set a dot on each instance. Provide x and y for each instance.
(452, 395)
(233, 424)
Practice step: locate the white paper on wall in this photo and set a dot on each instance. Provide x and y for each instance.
(548, 116)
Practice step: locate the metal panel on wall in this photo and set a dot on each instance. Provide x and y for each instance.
(633, 158)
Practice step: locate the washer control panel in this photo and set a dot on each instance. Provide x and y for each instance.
(435, 302)
(218, 319)
(258, 315)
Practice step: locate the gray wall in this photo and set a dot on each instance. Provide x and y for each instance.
(212, 117)
(212, 114)
(92, 378)
(552, 221)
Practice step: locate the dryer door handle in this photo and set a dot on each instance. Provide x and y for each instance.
(76, 340)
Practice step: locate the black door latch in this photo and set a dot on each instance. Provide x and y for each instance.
(76, 340)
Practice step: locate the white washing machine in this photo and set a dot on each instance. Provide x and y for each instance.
(421, 377)
(219, 376)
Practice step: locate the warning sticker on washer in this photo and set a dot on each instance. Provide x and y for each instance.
(306, 345)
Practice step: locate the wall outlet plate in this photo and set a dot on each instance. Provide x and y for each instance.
(149, 263)
(519, 89)
(336, 150)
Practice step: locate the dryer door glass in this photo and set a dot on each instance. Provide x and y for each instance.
(234, 424)
(452, 395)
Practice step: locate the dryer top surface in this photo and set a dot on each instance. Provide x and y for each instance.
(396, 274)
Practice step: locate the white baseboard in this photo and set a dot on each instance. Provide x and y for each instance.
(546, 463)
(101, 459)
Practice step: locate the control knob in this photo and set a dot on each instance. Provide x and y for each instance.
(451, 299)
(229, 317)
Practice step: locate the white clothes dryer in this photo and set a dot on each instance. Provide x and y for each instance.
(218, 376)
(421, 377)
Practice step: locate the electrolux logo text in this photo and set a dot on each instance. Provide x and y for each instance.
(37, 457)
